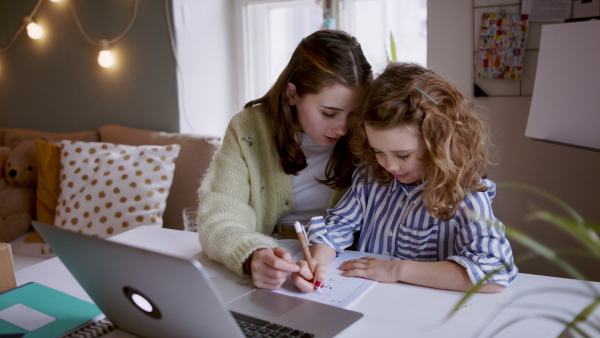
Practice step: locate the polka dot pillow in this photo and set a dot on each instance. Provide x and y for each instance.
(106, 188)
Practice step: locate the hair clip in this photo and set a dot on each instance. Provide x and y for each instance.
(422, 92)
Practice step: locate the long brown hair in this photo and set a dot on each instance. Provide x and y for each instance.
(455, 136)
(323, 58)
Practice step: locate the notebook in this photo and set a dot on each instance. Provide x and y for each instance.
(30, 310)
(153, 294)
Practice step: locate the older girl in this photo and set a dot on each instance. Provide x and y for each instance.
(284, 159)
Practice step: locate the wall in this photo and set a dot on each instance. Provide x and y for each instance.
(207, 81)
(446, 48)
(568, 173)
(55, 84)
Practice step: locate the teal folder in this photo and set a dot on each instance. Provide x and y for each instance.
(33, 304)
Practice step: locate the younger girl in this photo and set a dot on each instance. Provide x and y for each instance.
(284, 158)
(420, 193)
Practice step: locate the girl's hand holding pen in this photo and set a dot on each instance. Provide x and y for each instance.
(307, 281)
(310, 272)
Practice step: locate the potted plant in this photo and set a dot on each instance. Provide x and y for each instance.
(585, 233)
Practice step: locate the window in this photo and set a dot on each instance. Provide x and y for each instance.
(231, 52)
(372, 21)
(273, 29)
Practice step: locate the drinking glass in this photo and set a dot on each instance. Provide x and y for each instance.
(190, 219)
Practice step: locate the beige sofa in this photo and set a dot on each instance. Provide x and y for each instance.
(195, 155)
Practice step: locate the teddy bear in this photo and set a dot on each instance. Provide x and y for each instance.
(17, 189)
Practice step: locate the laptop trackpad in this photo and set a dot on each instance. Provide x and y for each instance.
(264, 304)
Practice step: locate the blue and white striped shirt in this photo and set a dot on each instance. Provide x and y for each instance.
(394, 221)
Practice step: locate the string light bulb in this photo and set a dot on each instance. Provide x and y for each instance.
(34, 30)
(105, 58)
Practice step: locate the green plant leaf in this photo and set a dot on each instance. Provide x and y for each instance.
(574, 214)
(580, 231)
(554, 318)
(585, 314)
(521, 298)
(543, 251)
(393, 47)
(584, 232)
(473, 290)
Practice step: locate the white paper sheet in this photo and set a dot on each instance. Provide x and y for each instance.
(25, 317)
(338, 290)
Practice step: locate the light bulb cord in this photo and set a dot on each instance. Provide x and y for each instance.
(87, 37)
(35, 9)
(21, 28)
(180, 77)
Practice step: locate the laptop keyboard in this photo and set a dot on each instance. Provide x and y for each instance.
(254, 327)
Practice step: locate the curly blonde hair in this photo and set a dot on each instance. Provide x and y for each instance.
(455, 136)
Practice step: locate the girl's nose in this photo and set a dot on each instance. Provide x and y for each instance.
(392, 164)
(341, 125)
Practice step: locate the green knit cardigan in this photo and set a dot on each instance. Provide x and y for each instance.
(245, 192)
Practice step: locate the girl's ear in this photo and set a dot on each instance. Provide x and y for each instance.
(290, 92)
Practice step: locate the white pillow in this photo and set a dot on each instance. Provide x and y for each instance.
(107, 188)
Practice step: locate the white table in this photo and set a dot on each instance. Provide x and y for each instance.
(390, 309)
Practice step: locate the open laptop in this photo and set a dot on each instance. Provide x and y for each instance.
(154, 294)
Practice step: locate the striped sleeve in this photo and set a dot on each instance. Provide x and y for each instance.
(481, 246)
(338, 228)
